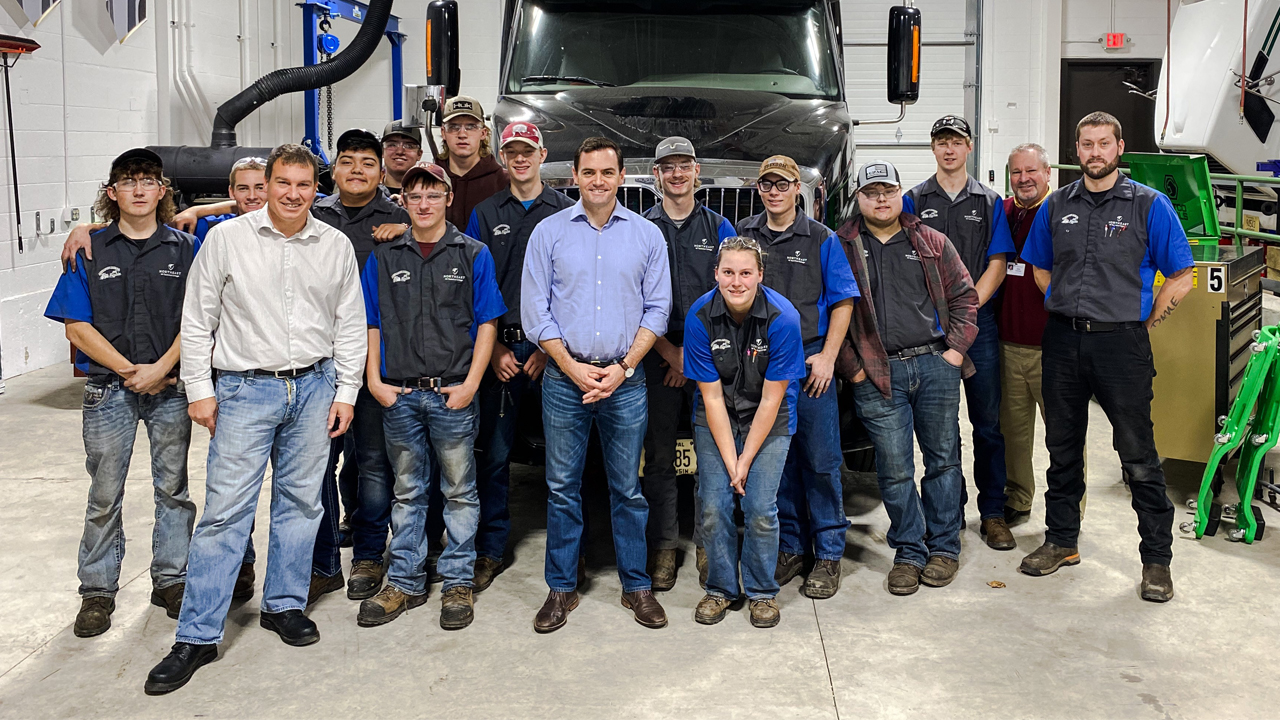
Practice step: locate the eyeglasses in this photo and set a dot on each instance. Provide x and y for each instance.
(419, 198)
(889, 194)
(455, 128)
(147, 183)
(669, 168)
(400, 145)
(767, 185)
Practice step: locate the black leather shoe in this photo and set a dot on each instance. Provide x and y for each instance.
(292, 626)
(178, 666)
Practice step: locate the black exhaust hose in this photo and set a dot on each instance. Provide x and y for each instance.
(297, 79)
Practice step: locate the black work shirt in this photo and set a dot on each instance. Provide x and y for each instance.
(905, 315)
(974, 221)
(131, 292)
(359, 227)
(691, 250)
(502, 222)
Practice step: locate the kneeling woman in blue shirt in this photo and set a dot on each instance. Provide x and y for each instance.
(742, 346)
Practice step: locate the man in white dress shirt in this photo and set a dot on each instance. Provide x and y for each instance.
(273, 349)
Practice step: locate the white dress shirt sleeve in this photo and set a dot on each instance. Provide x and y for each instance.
(201, 313)
(351, 337)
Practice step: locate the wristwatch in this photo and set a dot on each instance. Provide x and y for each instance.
(627, 370)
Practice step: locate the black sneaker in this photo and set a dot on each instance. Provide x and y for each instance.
(178, 666)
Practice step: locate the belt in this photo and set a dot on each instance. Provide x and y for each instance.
(512, 334)
(602, 363)
(1087, 325)
(293, 373)
(933, 347)
(423, 383)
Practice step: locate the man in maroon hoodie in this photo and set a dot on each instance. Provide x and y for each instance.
(468, 157)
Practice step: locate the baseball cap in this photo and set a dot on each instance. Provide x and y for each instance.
(426, 167)
(396, 127)
(463, 105)
(878, 171)
(674, 145)
(137, 154)
(780, 165)
(345, 139)
(953, 123)
(522, 132)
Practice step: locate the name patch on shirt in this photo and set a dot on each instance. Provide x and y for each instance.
(930, 213)
(170, 272)
(453, 276)
(109, 273)
(503, 229)
(797, 258)
(400, 276)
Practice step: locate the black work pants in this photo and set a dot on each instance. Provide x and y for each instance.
(1116, 367)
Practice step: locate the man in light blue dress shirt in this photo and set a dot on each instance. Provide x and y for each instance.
(595, 294)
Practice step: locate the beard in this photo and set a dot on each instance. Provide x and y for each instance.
(1103, 172)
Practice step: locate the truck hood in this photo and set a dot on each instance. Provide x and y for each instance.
(722, 124)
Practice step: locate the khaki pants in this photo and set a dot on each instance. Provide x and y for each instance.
(1019, 399)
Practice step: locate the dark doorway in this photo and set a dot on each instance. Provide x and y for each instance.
(1107, 85)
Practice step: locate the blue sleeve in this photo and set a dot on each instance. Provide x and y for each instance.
(1001, 240)
(202, 228)
(838, 282)
(786, 350)
(70, 299)
(473, 226)
(486, 298)
(908, 203)
(698, 365)
(369, 283)
(726, 229)
(1038, 250)
(1167, 243)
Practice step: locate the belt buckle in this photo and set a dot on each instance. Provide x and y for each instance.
(282, 374)
(434, 383)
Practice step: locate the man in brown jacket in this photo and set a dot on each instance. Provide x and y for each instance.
(909, 334)
(468, 157)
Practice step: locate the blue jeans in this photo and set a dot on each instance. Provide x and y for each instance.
(499, 411)
(111, 414)
(260, 419)
(811, 497)
(371, 513)
(421, 432)
(621, 418)
(982, 395)
(759, 556)
(925, 398)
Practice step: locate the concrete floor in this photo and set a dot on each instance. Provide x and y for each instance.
(1078, 644)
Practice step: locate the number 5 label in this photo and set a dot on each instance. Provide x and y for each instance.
(1217, 279)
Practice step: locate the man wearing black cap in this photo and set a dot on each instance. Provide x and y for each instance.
(693, 233)
(359, 210)
(401, 150)
(971, 215)
(121, 311)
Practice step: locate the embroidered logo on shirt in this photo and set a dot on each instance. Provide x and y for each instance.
(400, 276)
(704, 245)
(757, 346)
(796, 258)
(1071, 219)
(930, 213)
(1115, 227)
(503, 229)
(109, 273)
(453, 276)
(720, 344)
(974, 217)
(170, 272)
(912, 256)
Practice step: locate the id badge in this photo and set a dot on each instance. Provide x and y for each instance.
(1017, 269)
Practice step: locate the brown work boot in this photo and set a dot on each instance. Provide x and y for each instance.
(366, 579)
(94, 617)
(663, 574)
(1048, 558)
(457, 609)
(765, 613)
(789, 566)
(998, 536)
(555, 611)
(486, 570)
(648, 611)
(904, 579)
(321, 585)
(700, 560)
(244, 583)
(711, 609)
(389, 604)
(1157, 583)
(823, 580)
(939, 571)
(169, 598)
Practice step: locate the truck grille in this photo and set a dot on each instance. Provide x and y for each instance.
(734, 203)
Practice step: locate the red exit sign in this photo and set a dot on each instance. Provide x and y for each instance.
(1115, 41)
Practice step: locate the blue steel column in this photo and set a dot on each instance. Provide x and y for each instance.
(311, 98)
(397, 74)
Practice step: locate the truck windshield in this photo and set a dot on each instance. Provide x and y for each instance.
(779, 47)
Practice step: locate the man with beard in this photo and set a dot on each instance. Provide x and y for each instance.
(1098, 243)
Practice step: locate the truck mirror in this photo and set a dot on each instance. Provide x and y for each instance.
(904, 55)
(442, 46)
